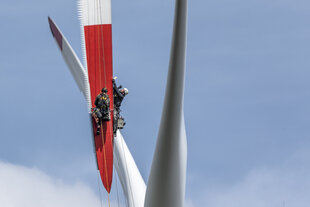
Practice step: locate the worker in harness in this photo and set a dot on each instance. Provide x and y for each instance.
(102, 110)
(118, 95)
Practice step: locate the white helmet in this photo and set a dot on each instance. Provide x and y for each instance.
(125, 91)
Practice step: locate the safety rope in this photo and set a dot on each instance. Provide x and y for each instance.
(95, 71)
(104, 66)
(99, 35)
(101, 40)
(105, 163)
(98, 181)
(100, 83)
(88, 50)
(122, 141)
(116, 187)
(95, 51)
(102, 43)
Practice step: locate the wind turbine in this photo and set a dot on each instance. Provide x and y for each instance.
(166, 183)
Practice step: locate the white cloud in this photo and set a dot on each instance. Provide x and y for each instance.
(264, 187)
(29, 187)
(267, 187)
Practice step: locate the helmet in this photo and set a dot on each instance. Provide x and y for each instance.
(125, 91)
(104, 90)
(114, 78)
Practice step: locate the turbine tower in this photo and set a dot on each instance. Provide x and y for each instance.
(166, 183)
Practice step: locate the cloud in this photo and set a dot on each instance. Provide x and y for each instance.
(286, 184)
(30, 187)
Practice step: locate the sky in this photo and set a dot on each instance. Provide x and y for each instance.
(246, 107)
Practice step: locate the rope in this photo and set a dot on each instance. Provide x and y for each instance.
(123, 196)
(95, 55)
(100, 42)
(116, 188)
(98, 176)
(109, 199)
(127, 173)
(101, 32)
(105, 162)
(89, 42)
(104, 68)
(100, 35)
(100, 39)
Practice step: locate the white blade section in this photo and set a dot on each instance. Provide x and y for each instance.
(76, 68)
(132, 182)
(166, 185)
(95, 12)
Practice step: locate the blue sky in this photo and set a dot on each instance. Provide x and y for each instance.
(246, 100)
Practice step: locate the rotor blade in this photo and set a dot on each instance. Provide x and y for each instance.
(76, 68)
(129, 175)
(166, 185)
